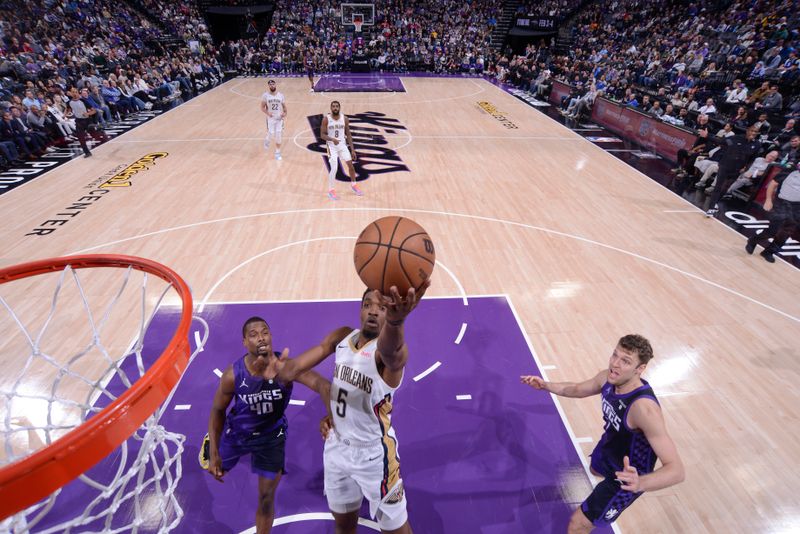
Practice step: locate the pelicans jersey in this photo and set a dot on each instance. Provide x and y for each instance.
(361, 458)
(336, 130)
(361, 402)
(274, 104)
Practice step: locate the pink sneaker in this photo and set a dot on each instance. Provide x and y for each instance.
(356, 190)
(332, 195)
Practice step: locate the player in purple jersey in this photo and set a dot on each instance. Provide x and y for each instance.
(635, 435)
(260, 385)
(309, 63)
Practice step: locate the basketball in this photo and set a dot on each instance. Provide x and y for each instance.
(394, 251)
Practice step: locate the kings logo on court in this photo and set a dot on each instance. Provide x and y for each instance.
(371, 132)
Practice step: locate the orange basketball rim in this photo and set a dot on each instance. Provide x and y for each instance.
(32, 478)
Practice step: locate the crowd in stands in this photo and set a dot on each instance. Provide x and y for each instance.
(109, 49)
(728, 64)
(716, 67)
(444, 37)
(557, 9)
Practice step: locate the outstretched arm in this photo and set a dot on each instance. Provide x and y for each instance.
(577, 390)
(646, 416)
(290, 369)
(392, 350)
(222, 398)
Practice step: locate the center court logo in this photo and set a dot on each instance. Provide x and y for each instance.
(369, 130)
(119, 176)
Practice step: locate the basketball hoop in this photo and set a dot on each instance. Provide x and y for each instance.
(358, 22)
(94, 431)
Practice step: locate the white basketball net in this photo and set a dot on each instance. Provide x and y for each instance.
(134, 491)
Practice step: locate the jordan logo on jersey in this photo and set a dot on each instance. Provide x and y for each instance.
(611, 513)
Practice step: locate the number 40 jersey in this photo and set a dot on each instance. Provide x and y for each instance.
(258, 404)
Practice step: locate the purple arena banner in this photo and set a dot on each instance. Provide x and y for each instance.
(658, 136)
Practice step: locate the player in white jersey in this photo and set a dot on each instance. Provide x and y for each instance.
(335, 130)
(273, 105)
(361, 458)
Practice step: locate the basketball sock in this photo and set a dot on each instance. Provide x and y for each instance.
(332, 173)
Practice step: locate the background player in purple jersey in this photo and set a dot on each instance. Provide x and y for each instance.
(309, 61)
(260, 385)
(635, 435)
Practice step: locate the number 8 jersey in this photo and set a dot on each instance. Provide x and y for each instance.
(336, 131)
(361, 402)
(258, 404)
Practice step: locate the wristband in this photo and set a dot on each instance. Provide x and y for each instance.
(395, 323)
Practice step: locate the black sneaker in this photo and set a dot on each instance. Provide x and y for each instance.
(767, 255)
(750, 246)
(204, 456)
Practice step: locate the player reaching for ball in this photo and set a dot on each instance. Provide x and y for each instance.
(361, 457)
(335, 130)
(635, 435)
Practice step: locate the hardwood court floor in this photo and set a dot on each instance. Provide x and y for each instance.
(586, 248)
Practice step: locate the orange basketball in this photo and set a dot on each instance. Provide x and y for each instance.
(394, 251)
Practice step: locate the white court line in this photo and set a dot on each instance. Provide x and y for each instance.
(427, 371)
(481, 89)
(197, 342)
(218, 373)
(549, 367)
(409, 136)
(461, 333)
(324, 516)
(302, 242)
(560, 410)
(183, 406)
(661, 187)
(584, 440)
(463, 397)
(297, 402)
(349, 299)
(466, 216)
(460, 287)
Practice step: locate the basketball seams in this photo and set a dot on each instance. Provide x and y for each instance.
(404, 250)
(386, 260)
(375, 252)
(397, 269)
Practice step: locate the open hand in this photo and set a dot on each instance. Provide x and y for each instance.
(397, 307)
(628, 477)
(536, 382)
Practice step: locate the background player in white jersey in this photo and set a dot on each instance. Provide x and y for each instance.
(361, 457)
(273, 105)
(335, 129)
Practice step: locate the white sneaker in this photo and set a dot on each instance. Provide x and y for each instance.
(278, 156)
(266, 144)
(711, 212)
